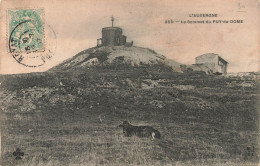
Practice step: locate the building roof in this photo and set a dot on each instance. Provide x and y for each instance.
(110, 28)
(212, 54)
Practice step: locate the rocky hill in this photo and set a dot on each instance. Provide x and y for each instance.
(117, 57)
(69, 115)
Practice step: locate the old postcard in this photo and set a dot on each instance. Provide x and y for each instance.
(129, 82)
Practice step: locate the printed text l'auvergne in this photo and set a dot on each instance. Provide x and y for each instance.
(204, 15)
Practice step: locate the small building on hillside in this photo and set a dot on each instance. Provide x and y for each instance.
(213, 61)
(113, 36)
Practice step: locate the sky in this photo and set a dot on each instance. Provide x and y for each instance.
(77, 24)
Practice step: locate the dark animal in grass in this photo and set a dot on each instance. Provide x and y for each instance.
(140, 131)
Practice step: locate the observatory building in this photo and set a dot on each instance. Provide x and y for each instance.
(113, 36)
(214, 62)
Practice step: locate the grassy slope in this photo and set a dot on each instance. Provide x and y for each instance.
(204, 120)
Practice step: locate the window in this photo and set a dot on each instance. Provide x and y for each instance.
(220, 63)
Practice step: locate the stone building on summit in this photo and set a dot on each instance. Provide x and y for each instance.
(113, 36)
(213, 61)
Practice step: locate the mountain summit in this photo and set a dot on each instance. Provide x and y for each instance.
(114, 52)
(115, 57)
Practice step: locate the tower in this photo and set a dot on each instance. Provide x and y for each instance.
(112, 36)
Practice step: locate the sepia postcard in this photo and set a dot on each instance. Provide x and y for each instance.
(129, 82)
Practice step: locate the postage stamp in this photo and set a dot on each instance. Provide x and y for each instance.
(26, 30)
(27, 37)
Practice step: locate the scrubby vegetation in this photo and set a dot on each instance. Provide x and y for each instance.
(72, 118)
